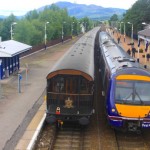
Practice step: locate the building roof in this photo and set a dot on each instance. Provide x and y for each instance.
(144, 34)
(11, 48)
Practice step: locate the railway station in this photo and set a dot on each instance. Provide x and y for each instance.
(27, 102)
(18, 109)
(77, 86)
(9, 57)
(23, 101)
(26, 137)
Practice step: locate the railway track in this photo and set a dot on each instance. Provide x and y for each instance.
(46, 138)
(105, 135)
(66, 138)
(74, 138)
(133, 141)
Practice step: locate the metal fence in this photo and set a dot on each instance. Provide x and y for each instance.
(42, 46)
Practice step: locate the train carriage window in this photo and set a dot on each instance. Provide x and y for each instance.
(85, 86)
(60, 85)
(70, 84)
(56, 84)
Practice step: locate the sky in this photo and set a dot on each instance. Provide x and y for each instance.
(20, 7)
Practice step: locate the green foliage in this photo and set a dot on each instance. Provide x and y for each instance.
(137, 14)
(5, 27)
(32, 15)
(114, 17)
(25, 32)
(31, 28)
(113, 20)
(87, 23)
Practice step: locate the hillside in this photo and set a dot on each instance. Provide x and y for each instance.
(91, 11)
(82, 10)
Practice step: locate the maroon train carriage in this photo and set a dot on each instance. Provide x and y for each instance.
(70, 83)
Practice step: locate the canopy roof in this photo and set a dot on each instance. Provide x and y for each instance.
(144, 34)
(11, 48)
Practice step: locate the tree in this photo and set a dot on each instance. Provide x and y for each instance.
(31, 28)
(137, 14)
(114, 17)
(25, 32)
(6, 27)
(32, 15)
(113, 20)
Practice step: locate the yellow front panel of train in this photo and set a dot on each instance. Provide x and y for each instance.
(133, 77)
(132, 111)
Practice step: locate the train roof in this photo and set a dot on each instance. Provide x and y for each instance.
(115, 56)
(79, 59)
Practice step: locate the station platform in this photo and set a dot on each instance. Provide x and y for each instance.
(125, 45)
(18, 109)
(29, 137)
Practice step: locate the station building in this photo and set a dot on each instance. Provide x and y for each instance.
(145, 35)
(9, 57)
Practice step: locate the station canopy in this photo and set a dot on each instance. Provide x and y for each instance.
(144, 34)
(11, 48)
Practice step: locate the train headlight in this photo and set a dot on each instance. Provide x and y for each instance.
(113, 110)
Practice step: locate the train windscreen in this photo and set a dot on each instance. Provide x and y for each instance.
(132, 92)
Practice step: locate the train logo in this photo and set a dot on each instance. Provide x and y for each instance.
(68, 103)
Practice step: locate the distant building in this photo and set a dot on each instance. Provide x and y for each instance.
(82, 28)
(9, 57)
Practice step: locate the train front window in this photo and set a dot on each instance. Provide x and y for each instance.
(133, 92)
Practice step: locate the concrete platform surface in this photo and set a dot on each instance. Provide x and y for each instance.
(17, 109)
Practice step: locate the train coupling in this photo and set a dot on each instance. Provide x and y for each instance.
(134, 127)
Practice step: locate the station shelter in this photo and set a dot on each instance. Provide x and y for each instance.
(9, 57)
(144, 35)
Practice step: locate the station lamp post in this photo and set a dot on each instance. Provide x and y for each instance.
(72, 29)
(120, 28)
(62, 33)
(11, 30)
(117, 27)
(78, 27)
(146, 45)
(45, 34)
(85, 25)
(131, 31)
(124, 30)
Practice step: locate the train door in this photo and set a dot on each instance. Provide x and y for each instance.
(71, 85)
(72, 88)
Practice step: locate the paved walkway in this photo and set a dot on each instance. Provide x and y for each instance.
(125, 46)
(15, 106)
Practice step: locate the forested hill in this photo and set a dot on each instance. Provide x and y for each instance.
(91, 11)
